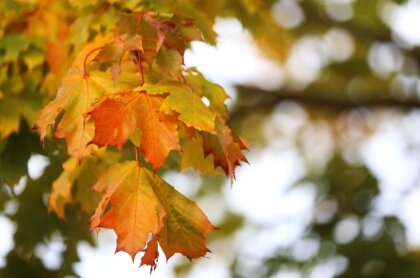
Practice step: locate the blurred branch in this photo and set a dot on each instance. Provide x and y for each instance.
(251, 100)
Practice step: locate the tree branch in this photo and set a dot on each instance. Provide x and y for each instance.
(251, 100)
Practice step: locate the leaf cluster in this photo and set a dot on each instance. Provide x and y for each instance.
(136, 88)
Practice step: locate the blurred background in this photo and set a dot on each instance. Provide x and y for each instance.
(326, 93)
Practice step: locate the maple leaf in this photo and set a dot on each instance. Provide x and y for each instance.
(179, 32)
(151, 254)
(151, 30)
(117, 116)
(192, 111)
(143, 203)
(135, 208)
(171, 32)
(226, 147)
(75, 97)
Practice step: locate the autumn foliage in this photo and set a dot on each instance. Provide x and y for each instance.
(130, 85)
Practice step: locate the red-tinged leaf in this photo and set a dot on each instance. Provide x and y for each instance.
(151, 33)
(141, 202)
(179, 33)
(226, 147)
(151, 254)
(117, 117)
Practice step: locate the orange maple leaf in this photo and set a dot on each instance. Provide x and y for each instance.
(226, 147)
(143, 203)
(135, 211)
(151, 254)
(116, 117)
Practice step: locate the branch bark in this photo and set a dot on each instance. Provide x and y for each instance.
(251, 100)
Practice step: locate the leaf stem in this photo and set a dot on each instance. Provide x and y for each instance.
(137, 153)
(85, 60)
(139, 66)
(139, 16)
(183, 78)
